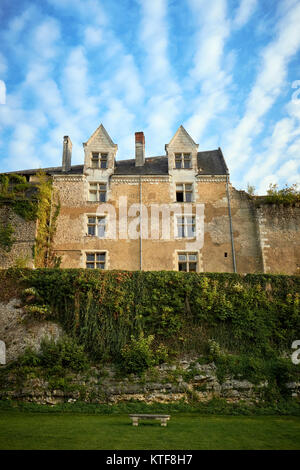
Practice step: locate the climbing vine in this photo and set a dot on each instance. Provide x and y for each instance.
(32, 202)
(47, 213)
(184, 311)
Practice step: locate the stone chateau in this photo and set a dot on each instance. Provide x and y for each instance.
(177, 211)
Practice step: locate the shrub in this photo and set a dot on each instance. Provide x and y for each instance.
(137, 355)
(66, 353)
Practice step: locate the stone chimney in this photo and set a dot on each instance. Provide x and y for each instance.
(139, 149)
(67, 154)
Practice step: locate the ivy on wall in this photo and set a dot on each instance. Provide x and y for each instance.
(47, 213)
(256, 313)
(31, 202)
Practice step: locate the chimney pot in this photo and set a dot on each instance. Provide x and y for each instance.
(67, 154)
(139, 149)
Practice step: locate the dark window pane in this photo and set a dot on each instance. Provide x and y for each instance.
(188, 197)
(90, 257)
(90, 265)
(102, 197)
(179, 197)
(193, 267)
(182, 266)
(91, 229)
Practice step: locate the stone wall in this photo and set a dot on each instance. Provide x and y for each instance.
(24, 236)
(19, 332)
(279, 228)
(165, 384)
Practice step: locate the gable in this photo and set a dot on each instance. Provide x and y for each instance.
(182, 140)
(100, 139)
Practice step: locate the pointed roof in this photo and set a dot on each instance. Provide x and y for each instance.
(100, 132)
(183, 135)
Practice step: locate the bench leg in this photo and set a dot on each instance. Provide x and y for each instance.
(163, 422)
(135, 421)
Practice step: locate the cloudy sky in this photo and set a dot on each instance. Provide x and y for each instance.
(227, 70)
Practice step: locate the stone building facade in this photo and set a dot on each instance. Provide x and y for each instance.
(172, 212)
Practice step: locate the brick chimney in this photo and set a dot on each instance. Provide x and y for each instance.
(67, 154)
(139, 149)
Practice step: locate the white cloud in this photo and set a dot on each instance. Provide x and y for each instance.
(211, 67)
(93, 36)
(244, 12)
(267, 87)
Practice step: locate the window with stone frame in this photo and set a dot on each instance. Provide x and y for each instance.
(95, 260)
(96, 226)
(184, 192)
(97, 192)
(99, 160)
(186, 226)
(183, 160)
(188, 262)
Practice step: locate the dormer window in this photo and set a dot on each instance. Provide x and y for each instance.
(183, 160)
(99, 160)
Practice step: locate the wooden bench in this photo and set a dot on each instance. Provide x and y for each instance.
(163, 418)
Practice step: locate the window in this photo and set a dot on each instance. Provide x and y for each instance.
(186, 226)
(97, 192)
(99, 160)
(183, 160)
(187, 262)
(95, 260)
(96, 226)
(184, 192)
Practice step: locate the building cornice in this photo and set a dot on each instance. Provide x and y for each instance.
(135, 179)
(211, 178)
(69, 177)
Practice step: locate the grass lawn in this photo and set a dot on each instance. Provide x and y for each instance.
(25, 430)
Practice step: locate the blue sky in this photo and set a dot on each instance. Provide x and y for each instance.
(227, 70)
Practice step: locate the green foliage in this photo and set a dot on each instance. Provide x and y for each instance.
(47, 213)
(215, 406)
(54, 356)
(32, 202)
(16, 192)
(137, 355)
(6, 238)
(287, 195)
(250, 189)
(39, 312)
(240, 322)
(26, 209)
(65, 353)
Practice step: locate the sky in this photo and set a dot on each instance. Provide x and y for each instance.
(227, 70)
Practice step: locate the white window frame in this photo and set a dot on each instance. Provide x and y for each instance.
(97, 190)
(182, 160)
(185, 225)
(187, 253)
(95, 262)
(99, 157)
(96, 225)
(184, 191)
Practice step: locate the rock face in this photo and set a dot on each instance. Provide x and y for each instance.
(18, 332)
(186, 380)
(163, 384)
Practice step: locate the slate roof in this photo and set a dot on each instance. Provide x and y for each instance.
(210, 162)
